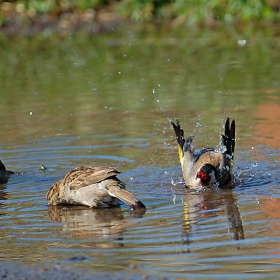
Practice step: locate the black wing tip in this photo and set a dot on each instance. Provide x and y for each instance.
(179, 132)
(228, 122)
(177, 125)
(229, 136)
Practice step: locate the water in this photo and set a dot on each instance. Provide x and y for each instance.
(81, 100)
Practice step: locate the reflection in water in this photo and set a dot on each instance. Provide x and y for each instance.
(3, 194)
(211, 204)
(87, 223)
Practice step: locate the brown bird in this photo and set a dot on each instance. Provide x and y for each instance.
(208, 166)
(4, 174)
(93, 186)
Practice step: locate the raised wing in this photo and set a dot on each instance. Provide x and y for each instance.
(184, 146)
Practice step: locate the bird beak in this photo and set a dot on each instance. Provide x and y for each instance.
(198, 181)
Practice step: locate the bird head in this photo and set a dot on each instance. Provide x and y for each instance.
(206, 175)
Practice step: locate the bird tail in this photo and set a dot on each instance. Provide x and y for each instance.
(179, 132)
(228, 140)
(119, 192)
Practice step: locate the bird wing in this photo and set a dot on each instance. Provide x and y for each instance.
(186, 154)
(228, 141)
(179, 132)
(184, 146)
(87, 175)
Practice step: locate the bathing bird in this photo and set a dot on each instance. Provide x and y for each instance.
(208, 166)
(93, 186)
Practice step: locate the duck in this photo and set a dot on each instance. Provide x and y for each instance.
(93, 186)
(4, 173)
(206, 167)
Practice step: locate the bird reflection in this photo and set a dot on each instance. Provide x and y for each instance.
(102, 224)
(3, 194)
(210, 204)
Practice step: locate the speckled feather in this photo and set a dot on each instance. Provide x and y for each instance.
(94, 186)
(87, 175)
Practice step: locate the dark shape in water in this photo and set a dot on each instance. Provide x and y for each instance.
(4, 174)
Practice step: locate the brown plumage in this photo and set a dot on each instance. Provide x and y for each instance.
(4, 174)
(94, 186)
(207, 166)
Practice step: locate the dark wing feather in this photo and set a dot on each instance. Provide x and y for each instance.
(229, 137)
(232, 135)
(179, 133)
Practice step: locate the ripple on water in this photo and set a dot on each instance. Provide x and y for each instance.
(221, 233)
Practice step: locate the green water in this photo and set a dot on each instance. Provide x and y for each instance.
(107, 99)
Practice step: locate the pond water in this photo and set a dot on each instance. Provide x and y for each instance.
(106, 100)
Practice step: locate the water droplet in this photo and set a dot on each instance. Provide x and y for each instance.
(221, 148)
(174, 198)
(241, 42)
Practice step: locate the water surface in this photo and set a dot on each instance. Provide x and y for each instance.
(103, 100)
